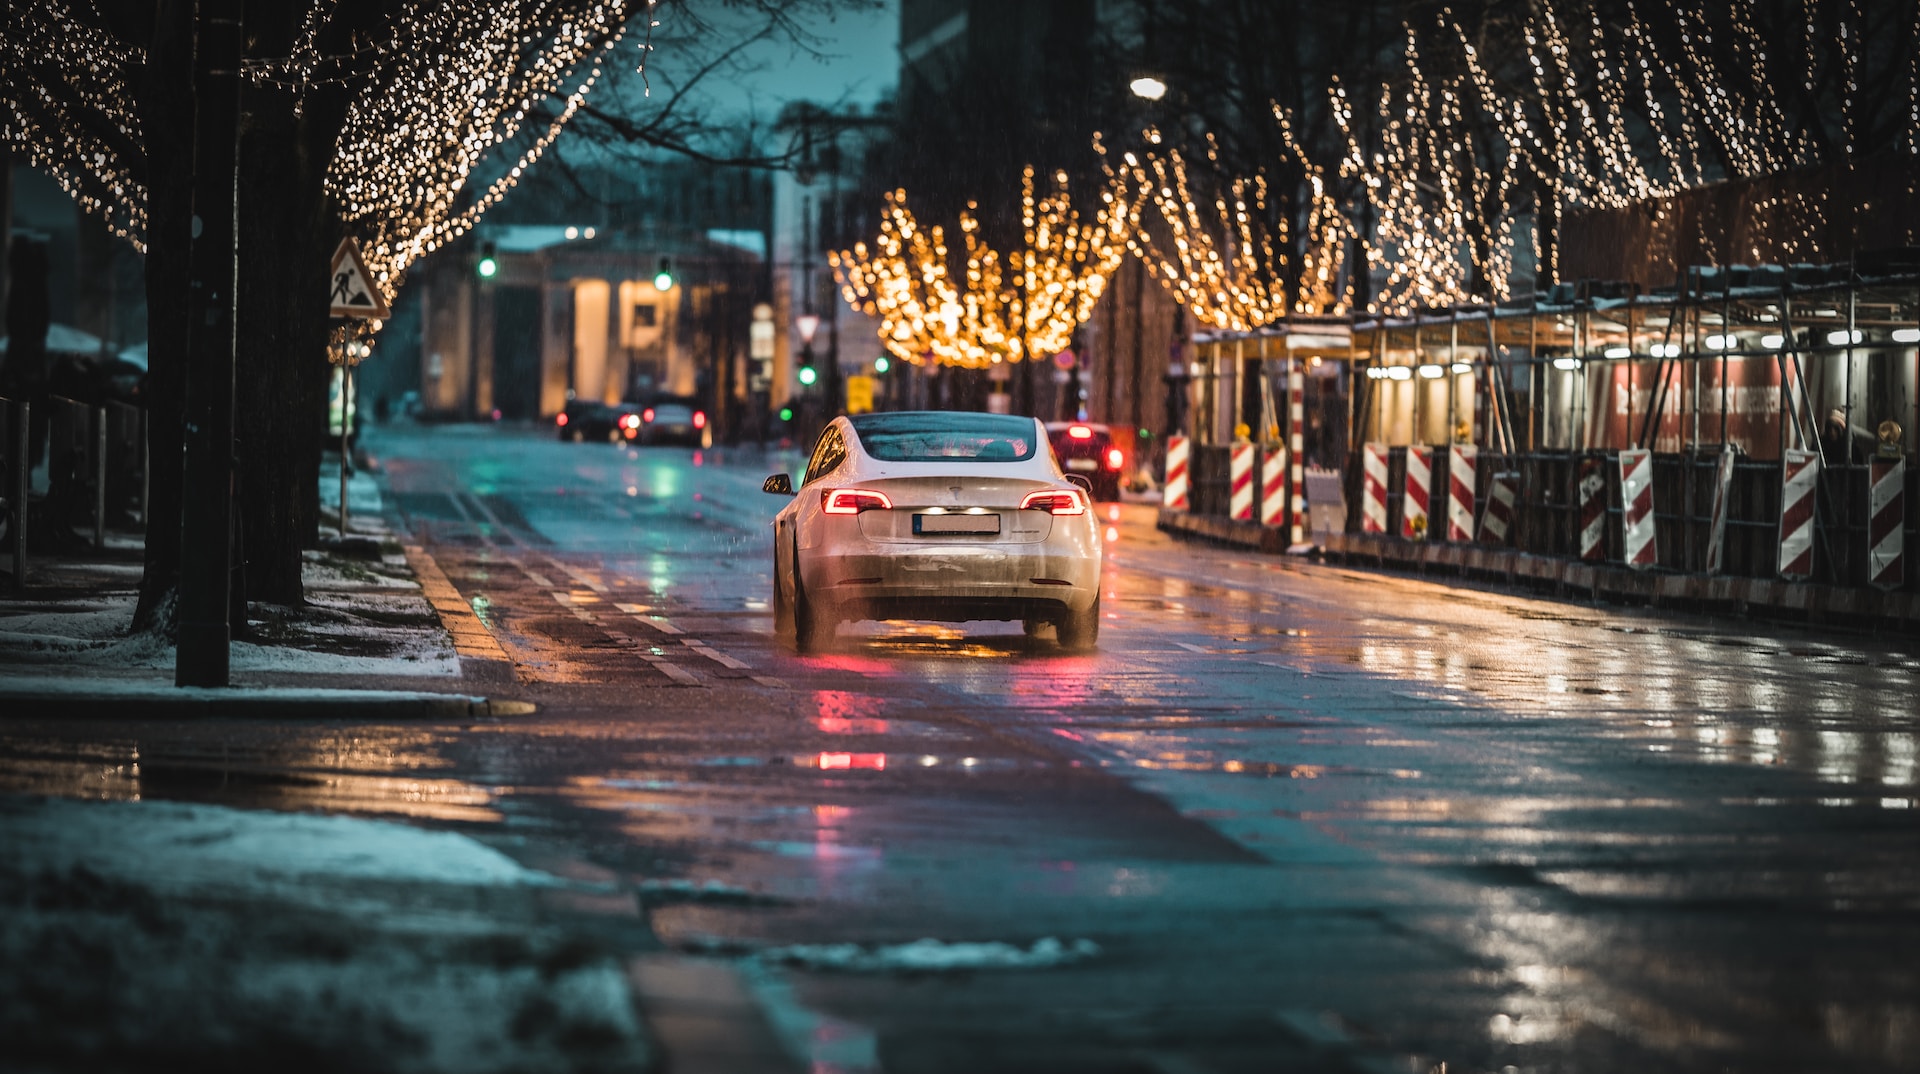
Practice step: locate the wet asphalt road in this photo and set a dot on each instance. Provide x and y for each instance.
(1313, 818)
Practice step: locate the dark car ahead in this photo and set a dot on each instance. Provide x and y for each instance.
(1087, 449)
(584, 419)
(675, 419)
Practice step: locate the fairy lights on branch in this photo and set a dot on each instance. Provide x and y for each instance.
(440, 91)
(1579, 109)
(1011, 307)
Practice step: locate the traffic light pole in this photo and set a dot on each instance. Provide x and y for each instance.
(203, 656)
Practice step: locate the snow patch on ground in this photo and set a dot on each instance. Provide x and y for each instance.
(179, 845)
(143, 935)
(932, 956)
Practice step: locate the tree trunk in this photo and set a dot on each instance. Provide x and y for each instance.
(166, 122)
(280, 394)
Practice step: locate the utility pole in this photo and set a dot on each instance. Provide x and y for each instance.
(206, 533)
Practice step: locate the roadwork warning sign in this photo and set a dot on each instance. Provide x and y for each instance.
(354, 294)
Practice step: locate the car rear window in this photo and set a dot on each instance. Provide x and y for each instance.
(934, 436)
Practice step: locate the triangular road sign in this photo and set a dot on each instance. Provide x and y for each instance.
(354, 294)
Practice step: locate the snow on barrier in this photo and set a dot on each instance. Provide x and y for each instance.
(1462, 476)
(1887, 523)
(1240, 479)
(1373, 502)
(1593, 509)
(1273, 487)
(1174, 496)
(1799, 479)
(1722, 494)
(1414, 494)
(1497, 523)
(1636, 508)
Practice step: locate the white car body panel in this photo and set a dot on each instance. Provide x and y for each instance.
(1037, 567)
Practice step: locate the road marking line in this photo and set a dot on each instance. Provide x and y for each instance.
(536, 577)
(715, 655)
(577, 575)
(470, 636)
(768, 680)
(639, 612)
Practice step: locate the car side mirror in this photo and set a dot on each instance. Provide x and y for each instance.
(1081, 480)
(779, 485)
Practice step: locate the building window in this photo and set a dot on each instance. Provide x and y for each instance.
(643, 315)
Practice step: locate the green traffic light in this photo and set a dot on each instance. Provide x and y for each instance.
(786, 413)
(881, 365)
(808, 376)
(487, 267)
(663, 281)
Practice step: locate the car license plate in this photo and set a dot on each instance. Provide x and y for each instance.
(988, 523)
(1082, 464)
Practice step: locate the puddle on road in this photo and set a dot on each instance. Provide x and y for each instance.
(369, 775)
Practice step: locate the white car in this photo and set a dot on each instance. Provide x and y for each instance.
(935, 515)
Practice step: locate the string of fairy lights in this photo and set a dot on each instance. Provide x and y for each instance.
(449, 88)
(1455, 163)
(1020, 305)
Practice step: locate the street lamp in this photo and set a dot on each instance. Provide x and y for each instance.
(1148, 88)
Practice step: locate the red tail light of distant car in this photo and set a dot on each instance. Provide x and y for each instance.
(699, 419)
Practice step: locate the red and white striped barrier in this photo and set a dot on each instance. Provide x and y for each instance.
(1636, 508)
(1174, 495)
(1799, 480)
(1593, 509)
(1414, 495)
(1462, 484)
(1722, 495)
(1296, 446)
(1373, 488)
(1887, 523)
(1273, 487)
(1497, 523)
(1240, 483)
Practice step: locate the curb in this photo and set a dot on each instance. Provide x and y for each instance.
(243, 705)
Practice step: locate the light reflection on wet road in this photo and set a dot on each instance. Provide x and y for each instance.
(1315, 818)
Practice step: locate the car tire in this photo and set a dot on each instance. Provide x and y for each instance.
(813, 624)
(782, 611)
(1080, 631)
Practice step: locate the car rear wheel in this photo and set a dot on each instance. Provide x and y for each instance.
(813, 623)
(1080, 631)
(782, 611)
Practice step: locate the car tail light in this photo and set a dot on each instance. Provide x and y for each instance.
(699, 419)
(853, 501)
(560, 419)
(630, 432)
(1055, 502)
(1114, 458)
(629, 421)
(647, 415)
(1080, 432)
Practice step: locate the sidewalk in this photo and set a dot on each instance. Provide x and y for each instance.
(369, 644)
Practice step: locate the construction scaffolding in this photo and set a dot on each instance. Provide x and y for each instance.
(1732, 383)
